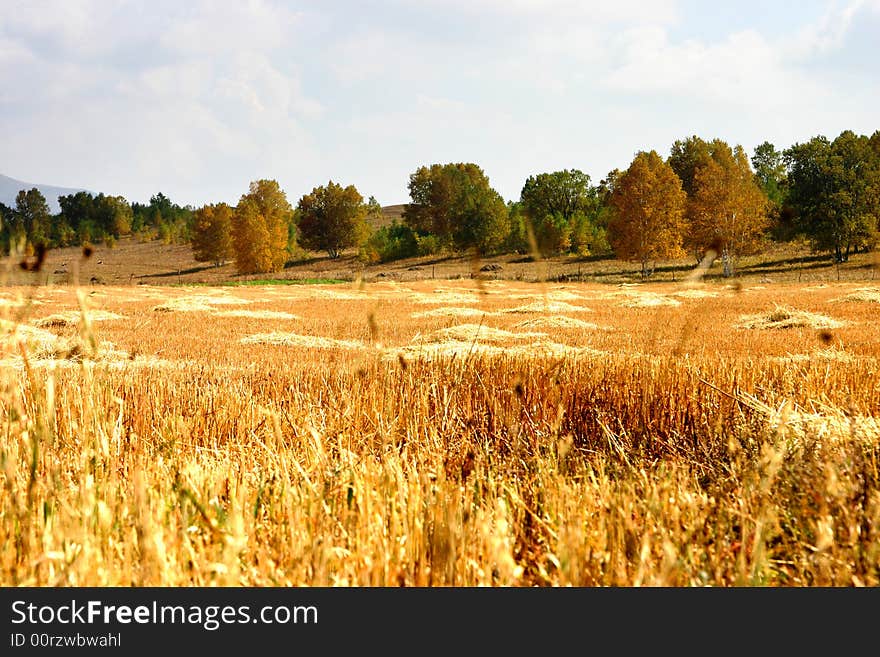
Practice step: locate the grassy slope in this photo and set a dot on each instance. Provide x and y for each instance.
(132, 261)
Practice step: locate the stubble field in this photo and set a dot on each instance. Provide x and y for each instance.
(434, 433)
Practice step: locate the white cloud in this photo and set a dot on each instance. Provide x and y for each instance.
(562, 11)
(828, 33)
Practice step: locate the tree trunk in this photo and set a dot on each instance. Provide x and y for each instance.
(727, 263)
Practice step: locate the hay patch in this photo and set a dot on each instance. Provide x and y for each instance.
(198, 303)
(861, 295)
(450, 312)
(38, 342)
(307, 341)
(256, 314)
(828, 355)
(445, 298)
(448, 349)
(554, 307)
(648, 300)
(784, 318)
(461, 349)
(480, 333)
(559, 322)
(74, 317)
(801, 429)
(337, 295)
(695, 294)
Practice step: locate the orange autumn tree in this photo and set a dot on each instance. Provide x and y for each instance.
(261, 227)
(648, 205)
(728, 211)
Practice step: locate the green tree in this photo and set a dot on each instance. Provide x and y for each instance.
(260, 230)
(727, 208)
(113, 215)
(171, 222)
(688, 155)
(834, 187)
(648, 206)
(332, 218)
(563, 193)
(456, 203)
(33, 219)
(770, 173)
(212, 234)
(7, 226)
(561, 207)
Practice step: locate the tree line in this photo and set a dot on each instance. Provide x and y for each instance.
(705, 198)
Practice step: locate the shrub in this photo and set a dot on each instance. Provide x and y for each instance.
(392, 242)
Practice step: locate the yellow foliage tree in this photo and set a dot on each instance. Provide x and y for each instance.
(728, 210)
(648, 205)
(212, 234)
(261, 227)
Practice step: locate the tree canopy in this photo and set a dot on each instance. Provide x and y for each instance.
(260, 229)
(332, 218)
(212, 234)
(560, 208)
(727, 209)
(455, 203)
(648, 206)
(834, 188)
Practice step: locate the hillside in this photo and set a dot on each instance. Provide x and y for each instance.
(9, 188)
(389, 214)
(133, 261)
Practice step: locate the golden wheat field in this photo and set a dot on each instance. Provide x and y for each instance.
(441, 433)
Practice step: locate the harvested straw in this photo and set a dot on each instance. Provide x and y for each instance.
(256, 314)
(558, 321)
(548, 307)
(861, 295)
(307, 341)
(74, 317)
(784, 318)
(450, 312)
(479, 333)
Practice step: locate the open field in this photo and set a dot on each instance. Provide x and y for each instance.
(445, 432)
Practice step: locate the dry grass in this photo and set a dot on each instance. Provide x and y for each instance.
(673, 449)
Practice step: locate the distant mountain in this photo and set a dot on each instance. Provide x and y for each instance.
(10, 187)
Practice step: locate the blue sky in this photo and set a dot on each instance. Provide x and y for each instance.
(196, 99)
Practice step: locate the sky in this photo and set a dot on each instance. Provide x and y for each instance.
(197, 99)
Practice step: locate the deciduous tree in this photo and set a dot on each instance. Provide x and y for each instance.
(260, 228)
(33, 220)
(648, 206)
(727, 209)
(561, 207)
(835, 191)
(332, 218)
(212, 234)
(455, 203)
